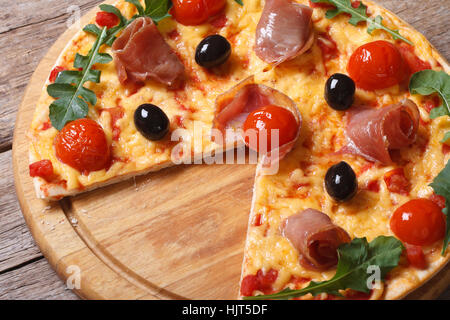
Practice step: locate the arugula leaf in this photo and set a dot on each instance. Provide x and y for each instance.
(446, 137)
(71, 96)
(426, 82)
(358, 15)
(158, 9)
(441, 186)
(352, 270)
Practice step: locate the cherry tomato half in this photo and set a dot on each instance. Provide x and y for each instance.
(195, 12)
(419, 222)
(377, 65)
(106, 19)
(82, 145)
(264, 119)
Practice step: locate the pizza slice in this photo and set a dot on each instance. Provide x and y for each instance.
(128, 95)
(353, 198)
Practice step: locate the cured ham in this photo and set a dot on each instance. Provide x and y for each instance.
(284, 31)
(315, 237)
(233, 107)
(373, 132)
(140, 53)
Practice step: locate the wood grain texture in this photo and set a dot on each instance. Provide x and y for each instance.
(104, 241)
(16, 245)
(27, 31)
(36, 280)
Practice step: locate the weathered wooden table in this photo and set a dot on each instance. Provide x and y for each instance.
(27, 30)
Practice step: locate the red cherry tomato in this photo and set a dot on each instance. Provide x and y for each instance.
(190, 12)
(419, 222)
(215, 6)
(377, 65)
(415, 256)
(43, 169)
(54, 73)
(264, 119)
(82, 145)
(195, 12)
(106, 19)
(396, 181)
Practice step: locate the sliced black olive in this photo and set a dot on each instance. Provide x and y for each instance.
(151, 121)
(340, 182)
(212, 51)
(340, 91)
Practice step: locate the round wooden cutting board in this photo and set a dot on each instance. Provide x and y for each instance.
(175, 234)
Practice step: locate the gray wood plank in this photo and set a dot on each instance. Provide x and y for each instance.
(16, 243)
(430, 17)
(34, 281)
(27, 31)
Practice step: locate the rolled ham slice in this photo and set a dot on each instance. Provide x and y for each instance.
(141, 53)
(284, 31)
(373, 132)
(315, 237)
(233, 107)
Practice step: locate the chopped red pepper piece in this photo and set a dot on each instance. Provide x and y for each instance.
(43, 169)
(106, 19)
(396, 181)
(261, 281)
(54, 73)
(415, 256)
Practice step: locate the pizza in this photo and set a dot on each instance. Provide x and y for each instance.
(344, 106)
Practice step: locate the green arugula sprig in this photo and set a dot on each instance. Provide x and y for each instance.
(358, 15)
(72, 98)
(427, 82)
(353, 269)
(441, 186)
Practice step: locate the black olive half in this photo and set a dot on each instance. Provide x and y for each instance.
(212, 51)
(339, 91)
(151, 121)
(340, 182)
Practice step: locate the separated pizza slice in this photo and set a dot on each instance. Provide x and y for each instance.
(127, 96)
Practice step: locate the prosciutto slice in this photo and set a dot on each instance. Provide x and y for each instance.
(233, 107)
(315, 237)
(373, 132)
(141, 53)
(284, 31)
